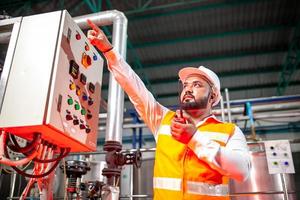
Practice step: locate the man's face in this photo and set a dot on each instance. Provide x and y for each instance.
(196, 93)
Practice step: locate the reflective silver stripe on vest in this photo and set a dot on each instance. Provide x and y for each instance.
(167, 183)
(207, 189)
(197, 188)
(165, 130)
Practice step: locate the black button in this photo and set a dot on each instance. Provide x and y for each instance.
(83, 79)
(87, 130)
(90, 101)
(89, 116)
(69, 117)
(75, 121)
(91, 87)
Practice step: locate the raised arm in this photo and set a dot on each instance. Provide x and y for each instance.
(148, 108)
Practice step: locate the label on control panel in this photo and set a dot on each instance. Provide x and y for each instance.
(279, 157)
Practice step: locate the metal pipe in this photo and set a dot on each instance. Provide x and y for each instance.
(266, 99)
(236, 110)
(240, 118)
(13, 184)
(115, 93)
(228, 105)
(284, 187)
(262, 108)
(222, 109)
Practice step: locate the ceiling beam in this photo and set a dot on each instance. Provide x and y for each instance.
(147, 6)
(210, 6)
(210, 58)
(291, 63)
(215, 35)
(199, 59)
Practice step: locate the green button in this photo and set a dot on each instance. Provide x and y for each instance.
(83, 111)
(70, 101)
(77, 106)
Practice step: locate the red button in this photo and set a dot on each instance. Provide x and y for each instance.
(78, 36)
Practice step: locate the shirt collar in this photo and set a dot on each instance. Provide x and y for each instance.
(210, 117)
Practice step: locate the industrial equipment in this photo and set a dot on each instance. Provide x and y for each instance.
(53, 83)
(50, 95)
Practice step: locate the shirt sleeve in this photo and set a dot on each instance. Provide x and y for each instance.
(233, 160)
(145, 104)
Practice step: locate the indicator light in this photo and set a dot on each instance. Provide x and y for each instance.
(84, 96)
(78, 91)
(86, 47)
(82, 126)
(72, 86)
(95, 57)
(83, 111)
(70, 101)
(78, 36)
(286, 163)
(86, 60)
(77, 106)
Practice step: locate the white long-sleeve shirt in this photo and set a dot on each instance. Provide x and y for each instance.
(233, 160)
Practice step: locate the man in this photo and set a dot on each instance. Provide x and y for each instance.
(196, 153)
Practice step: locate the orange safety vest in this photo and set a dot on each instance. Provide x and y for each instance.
(179, 173)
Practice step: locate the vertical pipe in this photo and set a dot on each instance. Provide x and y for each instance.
(115, 93)
(140, 137)
(133, 138)
(222, 109)
(284, 187)
(251, 119)
(13, 184)
(131, 182)
(228, 105)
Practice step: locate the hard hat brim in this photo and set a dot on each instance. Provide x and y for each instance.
(187, 71)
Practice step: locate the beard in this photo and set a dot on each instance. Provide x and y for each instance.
(193, 104)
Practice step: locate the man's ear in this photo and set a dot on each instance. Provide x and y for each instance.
(213, 96)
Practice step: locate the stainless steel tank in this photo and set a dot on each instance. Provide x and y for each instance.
(261, 185)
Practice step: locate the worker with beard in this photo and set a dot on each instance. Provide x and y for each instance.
(196, 153)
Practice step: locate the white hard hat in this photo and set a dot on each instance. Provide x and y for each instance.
(203, 71)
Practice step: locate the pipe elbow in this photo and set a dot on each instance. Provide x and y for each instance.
(119, 16)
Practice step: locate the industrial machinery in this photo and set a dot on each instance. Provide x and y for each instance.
(50, 94)
(53, 83)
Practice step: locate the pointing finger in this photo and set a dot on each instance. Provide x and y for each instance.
(93, 26)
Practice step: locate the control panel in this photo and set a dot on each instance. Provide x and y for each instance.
(279, 157)
(54, 83)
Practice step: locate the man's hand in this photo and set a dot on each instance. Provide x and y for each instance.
(182, 128)
(98, 38)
